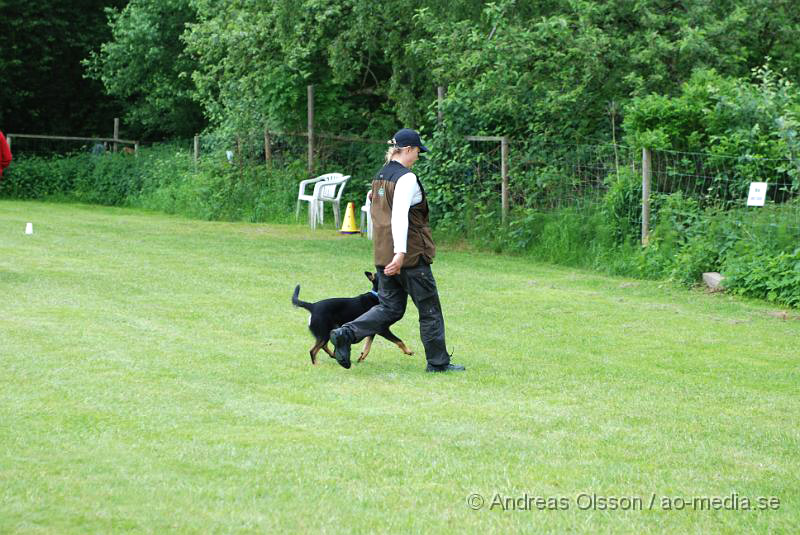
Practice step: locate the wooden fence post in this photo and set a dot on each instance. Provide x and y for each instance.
(647, 171)
(267, 148)
(136, 149)
(9, 138)
(116, 132)
(504, 175)
(310, 130)
(196, 149)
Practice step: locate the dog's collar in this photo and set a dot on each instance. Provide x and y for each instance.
(373, 292)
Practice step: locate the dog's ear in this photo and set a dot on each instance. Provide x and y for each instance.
(370, 276)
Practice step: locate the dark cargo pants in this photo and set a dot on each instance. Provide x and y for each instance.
(393, 292)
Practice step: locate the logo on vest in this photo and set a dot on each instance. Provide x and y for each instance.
(381, 192)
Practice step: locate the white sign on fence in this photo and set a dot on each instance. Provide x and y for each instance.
(758, 192)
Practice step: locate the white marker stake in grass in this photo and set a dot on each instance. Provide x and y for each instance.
(758, 192)
(29, 228)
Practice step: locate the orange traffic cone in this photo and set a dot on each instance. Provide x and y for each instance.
(349, 226)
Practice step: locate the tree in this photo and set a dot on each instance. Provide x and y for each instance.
(43, 86)
(145, 65)
(551, 68)
(256, 57)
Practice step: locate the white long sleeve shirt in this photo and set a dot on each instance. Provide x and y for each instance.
(407, 193)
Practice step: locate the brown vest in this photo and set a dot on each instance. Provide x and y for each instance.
(420, 242)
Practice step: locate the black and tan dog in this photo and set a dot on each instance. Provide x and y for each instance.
(332, 313)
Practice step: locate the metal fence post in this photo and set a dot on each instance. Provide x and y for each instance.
(647, 171)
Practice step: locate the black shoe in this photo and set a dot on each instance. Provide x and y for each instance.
(448, 368)
(341, 341)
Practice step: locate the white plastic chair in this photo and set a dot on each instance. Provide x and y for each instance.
(366, 216)
(303, 196)
(327, 188)
(330, 191)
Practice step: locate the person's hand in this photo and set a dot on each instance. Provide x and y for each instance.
(394, 267)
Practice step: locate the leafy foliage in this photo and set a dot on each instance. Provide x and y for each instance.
(162, 178)
(722, 115)
(622, 206)
(551, 68)
(255, 59)
(44, 91)
(145, 66)
(774, 277)
(539, 68)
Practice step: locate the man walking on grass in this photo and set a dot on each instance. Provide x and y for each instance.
(404, 251)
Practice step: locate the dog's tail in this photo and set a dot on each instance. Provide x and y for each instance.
(296, 301)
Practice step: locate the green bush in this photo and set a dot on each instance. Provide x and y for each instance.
(161, 178)
(575, 236)
(36, 177)
(751, 247)
(765, 275)
(676, 222)
(748, 128)
(622, 206)
(449, 175)
(107, 179)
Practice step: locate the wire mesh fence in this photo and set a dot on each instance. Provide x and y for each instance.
(483, 175)
(721, 183)
(541, 176)
(45, 146)
(357, 157)
(547, 177)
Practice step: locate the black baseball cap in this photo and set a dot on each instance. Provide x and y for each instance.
(406, 137)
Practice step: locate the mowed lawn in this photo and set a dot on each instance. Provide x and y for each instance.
(155, 378)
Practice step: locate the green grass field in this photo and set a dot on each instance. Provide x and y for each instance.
(155, 378)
